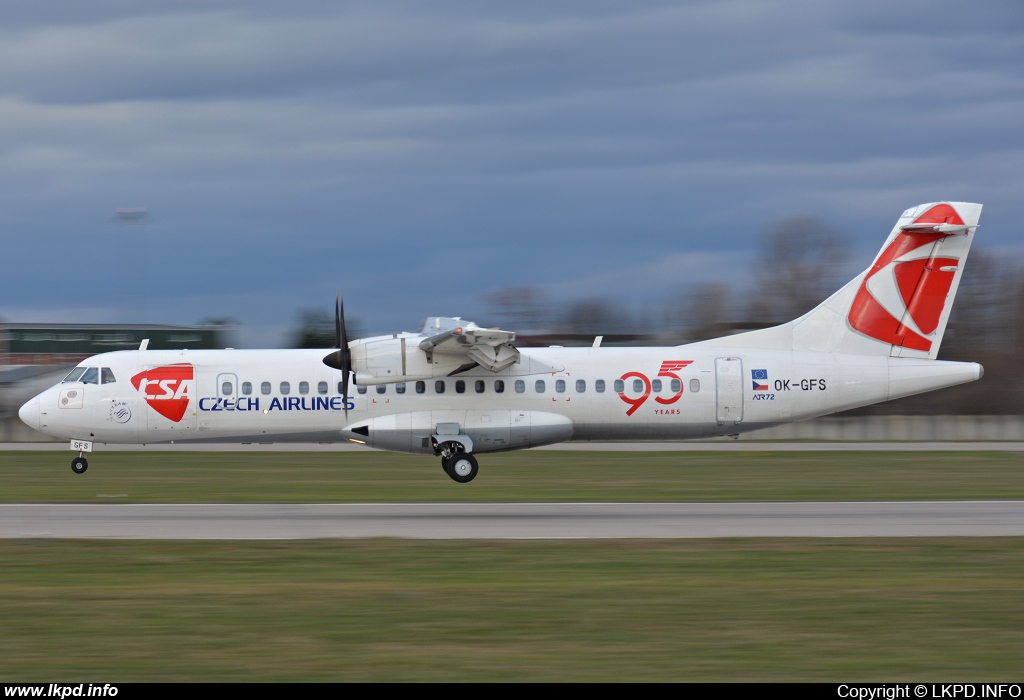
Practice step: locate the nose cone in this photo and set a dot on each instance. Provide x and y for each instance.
(29, 413)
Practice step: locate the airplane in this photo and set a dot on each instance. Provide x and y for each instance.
(455, 390)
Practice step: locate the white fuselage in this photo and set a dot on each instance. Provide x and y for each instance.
(454, 388)
(550, 395)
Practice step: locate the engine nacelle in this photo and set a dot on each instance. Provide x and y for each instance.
(408, 358)
(385, 360)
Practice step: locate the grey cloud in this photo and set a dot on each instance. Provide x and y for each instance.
(288, 149)
(410, 52)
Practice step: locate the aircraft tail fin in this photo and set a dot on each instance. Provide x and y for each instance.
(900, 305)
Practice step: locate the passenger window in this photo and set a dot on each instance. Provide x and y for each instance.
(619, 386)
(381, 388)
(460, 387)
(400, 388)
(499, 386)
(695, 385)
(91, 376)
(321, 388)
(581, 386)
(341, 387)
(265, 388)
(106, 376)
(361, 389)
(285, 388)
(676, 386)
(246, 388)
(74, 374)
(638, 385)
(520, 386)
(599, 386)
(226, 388)
(655, 385)
(421, 387)
(560, 386)
(539, 386)
(303, 388)
(439, 386)
(480, 386)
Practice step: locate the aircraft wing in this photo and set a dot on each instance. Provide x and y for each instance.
(488, 347)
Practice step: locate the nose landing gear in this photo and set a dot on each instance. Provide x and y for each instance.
(79, 463)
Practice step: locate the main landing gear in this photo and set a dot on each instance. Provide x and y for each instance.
(460, 466)
(79, 465)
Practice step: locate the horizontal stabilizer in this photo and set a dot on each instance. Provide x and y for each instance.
(937, 228)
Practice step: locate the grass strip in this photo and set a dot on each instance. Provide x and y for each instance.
(643, 610)
(298, 477)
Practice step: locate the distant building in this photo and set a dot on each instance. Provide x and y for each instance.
(64, 344)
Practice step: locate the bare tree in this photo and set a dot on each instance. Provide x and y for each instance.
(595, 316)
(518, 308)
(800, 262)
(710, 308)
(985, 316)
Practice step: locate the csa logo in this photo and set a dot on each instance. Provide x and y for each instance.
(166, 389)
(903, 295)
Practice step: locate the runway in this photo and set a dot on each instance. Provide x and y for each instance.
(514, 520)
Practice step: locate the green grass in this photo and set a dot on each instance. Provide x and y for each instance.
(941, 609)
(206, 477)
(827, 610)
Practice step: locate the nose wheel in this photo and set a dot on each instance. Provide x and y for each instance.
(461, 467)
(79, 465)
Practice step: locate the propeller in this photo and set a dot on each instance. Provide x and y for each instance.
(342, 358)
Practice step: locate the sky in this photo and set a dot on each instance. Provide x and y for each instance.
(419, 156)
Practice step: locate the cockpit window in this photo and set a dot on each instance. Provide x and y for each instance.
(106, 376)
(91, 376)
(74, 374)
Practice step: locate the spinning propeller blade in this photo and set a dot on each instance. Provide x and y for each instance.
(342, 358)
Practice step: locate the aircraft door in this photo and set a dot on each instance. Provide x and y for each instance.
(729, 387)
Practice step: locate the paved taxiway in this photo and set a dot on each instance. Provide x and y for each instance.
(514, 520)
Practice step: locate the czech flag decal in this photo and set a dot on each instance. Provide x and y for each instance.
(760, 378)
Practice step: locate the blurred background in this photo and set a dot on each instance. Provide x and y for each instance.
(654, 172)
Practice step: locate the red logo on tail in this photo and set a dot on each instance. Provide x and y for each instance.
(166, 389)
(922, 284)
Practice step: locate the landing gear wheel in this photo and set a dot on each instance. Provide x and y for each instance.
(461, 467)
(79, 465)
